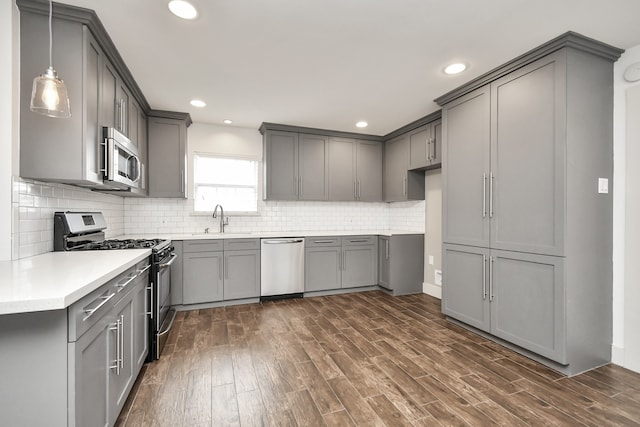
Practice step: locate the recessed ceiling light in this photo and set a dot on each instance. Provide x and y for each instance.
(362, 124)
(227, 121)
(183, 9)
(198, 103)
(455, 68)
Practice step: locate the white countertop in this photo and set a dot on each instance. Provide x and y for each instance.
(55, 280)
(270, 234)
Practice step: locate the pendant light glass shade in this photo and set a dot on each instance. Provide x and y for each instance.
(49, 94)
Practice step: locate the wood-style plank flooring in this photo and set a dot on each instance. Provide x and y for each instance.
(365, 359)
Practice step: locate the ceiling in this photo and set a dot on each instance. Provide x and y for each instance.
(330, 63)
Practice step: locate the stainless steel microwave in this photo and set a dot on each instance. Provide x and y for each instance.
(121, 160)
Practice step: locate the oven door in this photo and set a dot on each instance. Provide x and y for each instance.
(165, 314)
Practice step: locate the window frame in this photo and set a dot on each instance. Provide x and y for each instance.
(258, 184)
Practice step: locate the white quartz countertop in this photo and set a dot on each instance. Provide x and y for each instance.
(55, 280)
(271, 234)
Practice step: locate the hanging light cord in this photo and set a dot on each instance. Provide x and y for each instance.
(50, 35)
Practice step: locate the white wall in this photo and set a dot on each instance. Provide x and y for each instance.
(9, 86)
(433, 232)
(626, 211)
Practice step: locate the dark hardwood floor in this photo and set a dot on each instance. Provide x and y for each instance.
(363, 359)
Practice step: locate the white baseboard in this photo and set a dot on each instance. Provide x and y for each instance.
(617, 355)
(431, 289)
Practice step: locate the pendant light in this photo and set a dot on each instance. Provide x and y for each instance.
(49, 95)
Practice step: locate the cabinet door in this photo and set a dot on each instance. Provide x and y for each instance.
(322, 268)
(177, 273)
(342, 169)
(141, 305)
(435, 148)
(123, 100)
(143, 152)
(528, 307)
(313, 167)
(109, 95)
(369, 170)
(133, 117)
(528, 158)
(281, 166)
(420, 147)
(465, 170)
(465, 285)
(359, 266)
(396, 166)
(120, 382)
(202, 279)
(92, 82)
(91, 366)
(384, 261)
(167, 156)
(241, 274)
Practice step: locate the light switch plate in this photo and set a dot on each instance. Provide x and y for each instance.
(437, 277)
(603, 186)
(431, 260)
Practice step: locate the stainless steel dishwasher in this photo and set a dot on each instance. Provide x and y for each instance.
(281, 268)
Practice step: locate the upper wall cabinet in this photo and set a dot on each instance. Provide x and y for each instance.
(167, 155)
(61, 150)
(425, 146)
(355, 170)
(316, 164)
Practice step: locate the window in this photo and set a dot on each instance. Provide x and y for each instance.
(228, 181)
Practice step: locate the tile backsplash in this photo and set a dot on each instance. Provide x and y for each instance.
(34, 203)
(33, 206)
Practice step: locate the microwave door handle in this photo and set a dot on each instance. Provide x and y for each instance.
(138, 171)
(110, 159)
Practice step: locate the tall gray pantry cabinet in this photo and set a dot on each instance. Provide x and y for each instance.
(527, 238)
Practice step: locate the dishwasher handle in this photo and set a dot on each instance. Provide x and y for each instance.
(282, 241)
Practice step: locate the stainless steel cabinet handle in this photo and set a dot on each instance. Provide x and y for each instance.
(355, 190)
(344, 262)
(433, 144)
(301, 188)
(220, 268)
(125, 283)
(323, 241)
(91, 311)
(491, 261)
(358, 241)
(144, 269)
(116, 365)
(182, 181)
(386, 248)
(484, 277)
(404, 186)
(340, 260)
(491, 178)
(295, 185)
(484, 195)
(121, 357)
(226, 267)
(359, 194)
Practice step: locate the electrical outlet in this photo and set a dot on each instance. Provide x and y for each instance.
(603, 186)
(437, 277)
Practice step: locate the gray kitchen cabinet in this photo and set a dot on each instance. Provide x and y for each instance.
(425, 145)
(340, 262)
(400, 183)
(117, 103)
(296, 166)
(215, 270)
(167, 156)
(524, 148)
(121, 353)
(66, 150)
(241, 274)
(355, 170)
(141, 306)
(401, 263)
(202, 277)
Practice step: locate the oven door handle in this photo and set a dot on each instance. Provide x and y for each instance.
(168, 263)
(172, 313)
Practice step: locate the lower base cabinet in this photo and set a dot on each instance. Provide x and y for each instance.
(518, 297)
(401, 263)
(216, 270)
(340, 262)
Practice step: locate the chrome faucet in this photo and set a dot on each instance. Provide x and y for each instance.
(223, 221)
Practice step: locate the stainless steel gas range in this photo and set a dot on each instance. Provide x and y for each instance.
(83, 231)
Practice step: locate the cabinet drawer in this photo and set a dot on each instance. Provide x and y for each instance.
(210, 245)
(359, 240)
(87, 311)
(311, 242)
(241, 244)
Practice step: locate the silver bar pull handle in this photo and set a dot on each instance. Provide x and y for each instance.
(147, 302)
(220, 268)
(121, 341)
(355, 190)
(144, 269)
(226, 267)
(484, 195)
(359, 194)
(126, 282)
(386, 249)
(324, 241)
(116, 365)
(484, 277)
(90, 312)
(491, 178)
(491, 261)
